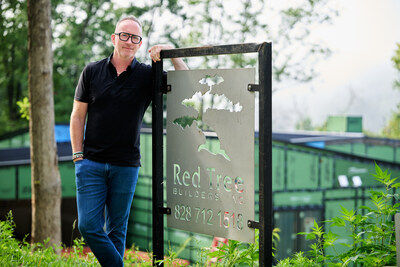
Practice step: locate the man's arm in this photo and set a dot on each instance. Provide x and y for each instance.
(155, 56)
(77, 125)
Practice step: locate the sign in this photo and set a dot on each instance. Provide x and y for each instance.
(210, 181)
(397, 229)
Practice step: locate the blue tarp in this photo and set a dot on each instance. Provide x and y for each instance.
(62, 133)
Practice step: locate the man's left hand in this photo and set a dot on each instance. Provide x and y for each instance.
(155, 51)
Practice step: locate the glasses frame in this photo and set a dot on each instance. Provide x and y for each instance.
(130, 36)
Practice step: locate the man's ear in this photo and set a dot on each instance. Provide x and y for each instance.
(113, 38)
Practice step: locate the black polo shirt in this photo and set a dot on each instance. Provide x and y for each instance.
(116, 105)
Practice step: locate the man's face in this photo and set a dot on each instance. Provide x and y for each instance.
(126, 49)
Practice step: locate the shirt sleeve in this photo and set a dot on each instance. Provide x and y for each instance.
(82, 89)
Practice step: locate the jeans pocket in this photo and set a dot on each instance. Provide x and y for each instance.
(78, 161)
(79, 165)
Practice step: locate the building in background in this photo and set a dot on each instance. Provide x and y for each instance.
(314, 173)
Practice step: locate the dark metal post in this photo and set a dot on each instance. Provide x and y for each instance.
(265, 157)
(157, 154)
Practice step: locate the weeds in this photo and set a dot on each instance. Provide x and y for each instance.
(16, 253)
(373, 233)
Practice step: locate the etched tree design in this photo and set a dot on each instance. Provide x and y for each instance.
(201, 102)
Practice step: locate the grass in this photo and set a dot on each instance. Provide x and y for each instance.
(13, 252)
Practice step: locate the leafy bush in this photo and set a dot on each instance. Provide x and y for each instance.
(373, 233)
(16, 253)
(236, 253)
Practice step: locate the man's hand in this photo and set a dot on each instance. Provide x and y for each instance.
(155, 51)
(155, 56)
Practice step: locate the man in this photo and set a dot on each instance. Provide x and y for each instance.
(113, 94)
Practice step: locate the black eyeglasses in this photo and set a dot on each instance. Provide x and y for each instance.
(124, 36)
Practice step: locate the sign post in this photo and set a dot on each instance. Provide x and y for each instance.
(210, 187)
(157, 154)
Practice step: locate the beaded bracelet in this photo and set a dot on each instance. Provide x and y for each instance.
(77, 155)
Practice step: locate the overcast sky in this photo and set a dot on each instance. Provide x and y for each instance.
(357, 79)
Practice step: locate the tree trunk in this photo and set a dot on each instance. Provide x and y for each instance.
(46, 183)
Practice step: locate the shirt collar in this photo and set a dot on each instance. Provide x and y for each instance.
(133, 64)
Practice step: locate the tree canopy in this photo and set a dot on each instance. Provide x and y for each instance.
(82, 29)
(392, 129)
(13, 62)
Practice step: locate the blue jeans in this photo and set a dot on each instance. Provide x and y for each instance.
(104, 197)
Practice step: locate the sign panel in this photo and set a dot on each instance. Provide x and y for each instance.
(210, 181)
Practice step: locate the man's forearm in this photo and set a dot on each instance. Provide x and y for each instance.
(77, 126)
(179, 64)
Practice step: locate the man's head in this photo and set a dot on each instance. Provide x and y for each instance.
(132, 18)
(127, 38)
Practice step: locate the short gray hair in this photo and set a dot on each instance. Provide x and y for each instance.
(131, 17)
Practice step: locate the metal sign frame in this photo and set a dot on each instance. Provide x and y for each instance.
(264, 87)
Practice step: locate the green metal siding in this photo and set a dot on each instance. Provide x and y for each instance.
(7, 183)
(24, 182)
(67, 174)
(293, 199)
(378, 152)
(381, 152)
(302, 169)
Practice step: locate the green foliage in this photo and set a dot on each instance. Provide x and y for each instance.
(24, 108)
(16, 253)
(292, 47)
(185, 121)
(132, 258)
(304, 124)
(236, 253)
(373, 233)
(82, 30)
(81, 34)
(396, 62)
(299, 259)
(172, 259)
(13, 62)
(392, 129)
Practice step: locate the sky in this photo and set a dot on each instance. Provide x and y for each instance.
(357, 79)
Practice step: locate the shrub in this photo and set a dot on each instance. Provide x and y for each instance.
(373, 233)
(16, 253)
